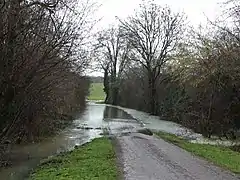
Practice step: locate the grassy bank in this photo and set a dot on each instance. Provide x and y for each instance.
(96, 92)
(95, 160)
(221, 156)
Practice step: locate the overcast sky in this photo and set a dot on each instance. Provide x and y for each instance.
(196, 10)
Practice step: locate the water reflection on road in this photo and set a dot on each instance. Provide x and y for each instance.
(90, 125)
(157, 124)
(85, 128)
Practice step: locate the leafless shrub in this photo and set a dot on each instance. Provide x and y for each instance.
(42, 57)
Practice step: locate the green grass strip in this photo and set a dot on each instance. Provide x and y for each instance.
(96, 92)
(219, 155)
(93, 161)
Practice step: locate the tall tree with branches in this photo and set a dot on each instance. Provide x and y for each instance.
(112, 50)
(153, 33)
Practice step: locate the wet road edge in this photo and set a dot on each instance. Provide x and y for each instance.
(119, 159)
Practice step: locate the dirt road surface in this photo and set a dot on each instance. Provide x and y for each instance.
(150, 158)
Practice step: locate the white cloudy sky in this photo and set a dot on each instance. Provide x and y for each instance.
(196, 10)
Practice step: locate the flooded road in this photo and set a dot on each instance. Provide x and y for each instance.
(90, 125)
(93, 123)
(156, 124)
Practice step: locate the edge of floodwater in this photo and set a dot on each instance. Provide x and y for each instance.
(83, 153)
(62, 153)
(199, 139)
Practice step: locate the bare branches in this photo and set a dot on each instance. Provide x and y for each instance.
(111, 51)
(42, 58)
(153, 34)
(192, 81)
(50, 6)
(3, 4)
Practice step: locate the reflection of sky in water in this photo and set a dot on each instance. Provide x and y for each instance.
(95, 116)
(154, 123)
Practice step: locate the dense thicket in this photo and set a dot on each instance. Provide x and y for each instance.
(42, 58)
(192, 78)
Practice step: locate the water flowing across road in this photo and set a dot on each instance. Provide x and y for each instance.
(90, 125)
(96, 119)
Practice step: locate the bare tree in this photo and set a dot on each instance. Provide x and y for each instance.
(199, 86)
(114, 49)
(153, 33)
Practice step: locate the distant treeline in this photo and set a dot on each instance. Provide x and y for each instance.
(95, 79)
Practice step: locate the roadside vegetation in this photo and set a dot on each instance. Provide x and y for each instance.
(94, 160)
(96, 92)
(154, 62)
(42, 62)
(219, 155)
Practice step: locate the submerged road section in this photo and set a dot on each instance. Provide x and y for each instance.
(142, 157)
(150, 158)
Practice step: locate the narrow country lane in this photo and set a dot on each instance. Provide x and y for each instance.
(149, 158)
(142, 157)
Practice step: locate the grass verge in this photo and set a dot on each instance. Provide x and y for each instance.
(94, 161)
(96, 92)
(219, 155)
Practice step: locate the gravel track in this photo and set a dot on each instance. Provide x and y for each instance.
(150, 158)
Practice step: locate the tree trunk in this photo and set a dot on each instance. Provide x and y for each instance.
(114, 82)
(152, 96)
(106, 85)
(115, 95)
(113, 89)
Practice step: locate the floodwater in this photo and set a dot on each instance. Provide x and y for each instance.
(156, 124)
(90, 125)
(96, 119)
